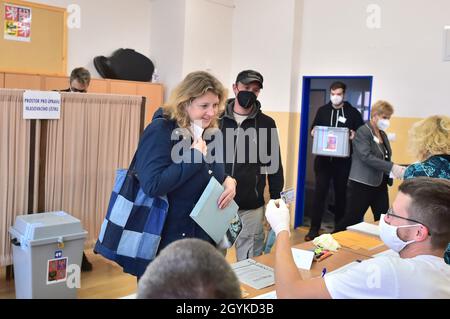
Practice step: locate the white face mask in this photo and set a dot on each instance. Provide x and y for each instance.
(383, 124)
(388, 235)
(336, 99)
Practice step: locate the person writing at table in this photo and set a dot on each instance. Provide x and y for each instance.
(417, 227)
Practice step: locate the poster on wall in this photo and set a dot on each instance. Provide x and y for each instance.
(17, 23)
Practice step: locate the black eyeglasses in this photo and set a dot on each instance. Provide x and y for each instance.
(77, 91)
(390, 213)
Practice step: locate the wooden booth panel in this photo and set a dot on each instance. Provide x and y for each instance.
(62, 83)
(155, 98)
(52, 83)
(123, 87)
(98, 86)
(153, 92)
(22, 81)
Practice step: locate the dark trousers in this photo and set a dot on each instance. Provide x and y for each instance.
(327, 169)
(360, 198)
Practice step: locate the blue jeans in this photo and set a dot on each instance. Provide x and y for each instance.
(270, 241)
(250, 242)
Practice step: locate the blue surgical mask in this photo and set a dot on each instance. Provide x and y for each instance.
(388, 235)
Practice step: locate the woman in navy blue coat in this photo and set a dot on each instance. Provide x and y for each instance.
(174, 159)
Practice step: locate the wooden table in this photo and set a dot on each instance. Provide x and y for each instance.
(337, 260)
(366, 252)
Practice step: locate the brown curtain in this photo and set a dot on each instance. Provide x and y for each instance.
(14, 166)
(96, 135)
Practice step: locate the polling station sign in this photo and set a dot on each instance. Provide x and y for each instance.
(41, 105)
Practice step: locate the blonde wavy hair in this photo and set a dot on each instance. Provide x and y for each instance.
(194, 85)
(430, 136)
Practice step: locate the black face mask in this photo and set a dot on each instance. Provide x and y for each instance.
(246, 99)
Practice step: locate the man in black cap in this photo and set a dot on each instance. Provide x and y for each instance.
(252, 155)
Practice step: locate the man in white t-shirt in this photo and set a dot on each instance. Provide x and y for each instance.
(417, 227)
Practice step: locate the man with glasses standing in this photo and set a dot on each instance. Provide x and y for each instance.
(417, 227)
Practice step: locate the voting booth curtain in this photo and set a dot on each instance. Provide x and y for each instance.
(66, 164)
(14, 166)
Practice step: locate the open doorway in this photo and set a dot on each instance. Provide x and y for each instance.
(316, 92)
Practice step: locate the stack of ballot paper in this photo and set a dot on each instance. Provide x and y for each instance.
(357, 240)
(206, 213)
(270, 295)
(254, 274)
(365, 228)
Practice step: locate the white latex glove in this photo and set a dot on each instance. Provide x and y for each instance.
(398, 171)
(278, 217)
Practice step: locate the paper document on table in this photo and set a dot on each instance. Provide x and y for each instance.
(254, 274)
(270, 295)
(365, 228)
(303, 258)
(356, 240)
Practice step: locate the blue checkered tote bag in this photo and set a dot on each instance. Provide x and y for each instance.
(131, 231)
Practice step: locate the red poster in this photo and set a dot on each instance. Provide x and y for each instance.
(17, 23)
(57, 270)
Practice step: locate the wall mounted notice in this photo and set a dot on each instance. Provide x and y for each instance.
(17, 23)
(41, 105)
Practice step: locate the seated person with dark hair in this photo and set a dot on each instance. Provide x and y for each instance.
(80, 78)
(189, 269)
